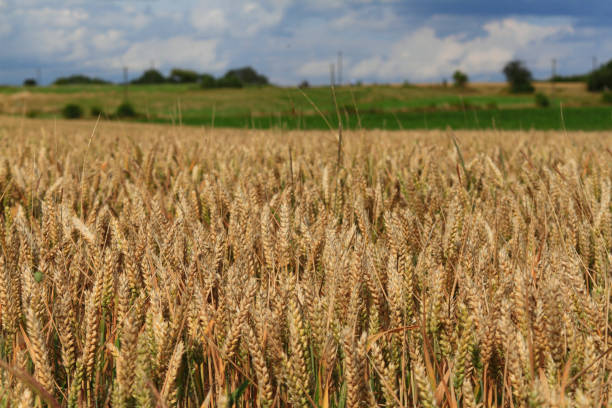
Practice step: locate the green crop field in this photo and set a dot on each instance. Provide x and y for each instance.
(371, 107)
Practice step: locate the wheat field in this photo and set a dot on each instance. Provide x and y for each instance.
(150, 266)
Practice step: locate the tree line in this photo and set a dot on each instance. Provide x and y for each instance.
(520, 79)
(234, 78)
(518, 76)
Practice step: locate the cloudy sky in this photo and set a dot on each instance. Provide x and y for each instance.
(291, 40)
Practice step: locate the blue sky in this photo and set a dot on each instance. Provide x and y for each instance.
(292, 40)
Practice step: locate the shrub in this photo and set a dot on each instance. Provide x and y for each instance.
(460, 79)
(32, 113)
(542, 100)
(72, 111)
(126, 110)
(150, 76)
(247, 76)
(30, 82)
(183, 76)
(208, 81)
(97, 111)
(606, 97)
(519, 77)
(304, 84)
(229, 80)
(79, 79)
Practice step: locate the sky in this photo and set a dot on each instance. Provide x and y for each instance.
(294, 40)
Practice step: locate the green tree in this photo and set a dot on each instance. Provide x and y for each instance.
(229, 80)
(150, 76)
(600, 78)
(208, 81)
(460, 79)
(518, 77)
(183, 76)
(247, 76)
(79, 79)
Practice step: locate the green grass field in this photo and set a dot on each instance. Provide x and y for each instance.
(369, 107)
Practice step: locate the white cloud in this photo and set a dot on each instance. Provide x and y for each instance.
(178, 51)
(423, 55)
(209, 21)
(48, 16)
(319, 68)
(109, 40)
(237, 19)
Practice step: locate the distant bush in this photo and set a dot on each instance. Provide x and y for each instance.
(150, 76)
(246, 76)
(32, 113)
(304, 84)
(96, 111)
(601, 78)
(208, 81)
(569, 78)
(541, 100)
(79, 79)
(30, 82)
(606, 97)
(183, 76)
(72, 111)
(125, 110)
(519, 77)
(229, 80)
(460, 79)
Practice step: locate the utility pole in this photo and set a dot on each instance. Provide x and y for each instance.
(594, 63)
(554, 72)
(125, 83)
(339, 68)
(332, 74)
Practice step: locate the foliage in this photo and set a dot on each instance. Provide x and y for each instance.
(542, 100)
(72, 111)
(79, 79)
(570, 78)
(96, 111)
(229, 80)
(518, 77)
(208, 81)
(125, 110)
(460, 79)
(183, 76)
(30, 82)
(304, 84)
(246, 76)
(606, 97)
(150, 76)
(601, 78)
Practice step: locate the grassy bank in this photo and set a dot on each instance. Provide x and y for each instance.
(371, 107)
(570, 118)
